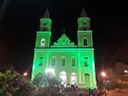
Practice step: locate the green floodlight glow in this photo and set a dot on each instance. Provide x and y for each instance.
(64, 58)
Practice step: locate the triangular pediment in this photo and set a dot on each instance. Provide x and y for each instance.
(63, 41)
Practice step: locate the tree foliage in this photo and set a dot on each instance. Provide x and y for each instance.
(113, 84)
(13, 84)
(46, 84)
(44, 80)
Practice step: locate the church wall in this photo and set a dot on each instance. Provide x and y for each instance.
(79, 54)
(74, 62)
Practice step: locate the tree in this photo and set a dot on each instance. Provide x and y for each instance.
(45, 84)
(46, 79)
(12, 83)
(113, 84)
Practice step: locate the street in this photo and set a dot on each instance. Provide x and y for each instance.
(118, 92)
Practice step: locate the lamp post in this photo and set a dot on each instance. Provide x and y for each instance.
(126, 75)
(103, 76)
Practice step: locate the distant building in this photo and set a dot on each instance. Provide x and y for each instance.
(70, 63)
(118, 72)
(121, 70)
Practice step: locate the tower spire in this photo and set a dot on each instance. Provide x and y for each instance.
(46, 14)
(83, 13)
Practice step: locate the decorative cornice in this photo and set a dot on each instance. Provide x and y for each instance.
(63, 41)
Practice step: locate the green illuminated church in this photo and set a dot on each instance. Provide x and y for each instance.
(70, 63)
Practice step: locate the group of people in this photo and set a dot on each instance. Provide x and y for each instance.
(97, 92)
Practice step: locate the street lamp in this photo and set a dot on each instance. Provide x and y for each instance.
(103, 74)
(25, 74)
(126, 74)
(125, 71)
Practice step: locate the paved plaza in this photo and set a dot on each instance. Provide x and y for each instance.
(118, 93)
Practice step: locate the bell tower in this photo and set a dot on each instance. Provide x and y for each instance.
(43, 38)
(84, 33)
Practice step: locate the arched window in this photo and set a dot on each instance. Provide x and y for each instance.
(53, 61)
(85, 61)
(73, 61)
(63, 61)
(85, 42)
(86, 74)
(40, 61)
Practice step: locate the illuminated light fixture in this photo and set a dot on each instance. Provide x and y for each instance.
(125, 71)
(50, 70)
(103, 74)
(25, 74)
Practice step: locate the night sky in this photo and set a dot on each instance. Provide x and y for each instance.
(19, 21)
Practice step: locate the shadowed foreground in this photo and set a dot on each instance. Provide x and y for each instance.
(118, 92)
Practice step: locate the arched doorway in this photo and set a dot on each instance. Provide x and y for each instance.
(73, 79)
(63, 78)
(85, 42)
(87, 80)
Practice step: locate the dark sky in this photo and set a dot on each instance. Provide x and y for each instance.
(19, 21)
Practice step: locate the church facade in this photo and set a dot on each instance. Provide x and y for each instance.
(70, 63)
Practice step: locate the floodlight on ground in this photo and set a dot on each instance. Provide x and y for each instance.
(50, 70)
